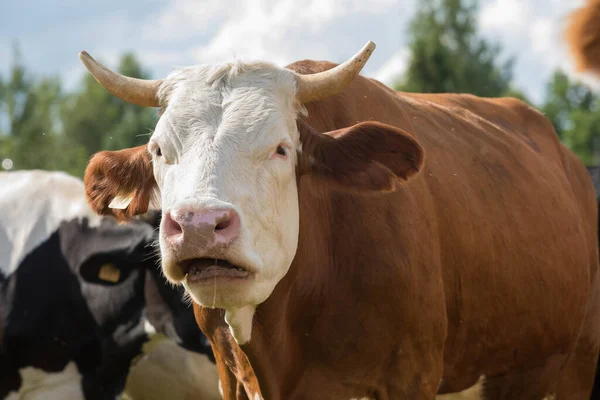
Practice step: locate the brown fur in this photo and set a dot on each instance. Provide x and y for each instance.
(365, 156)
(123, 172)
(583, 37)
(484, 263)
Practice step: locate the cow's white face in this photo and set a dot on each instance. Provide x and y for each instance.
(224, 154)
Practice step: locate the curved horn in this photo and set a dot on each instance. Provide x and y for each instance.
(142, 92)
(327, 83)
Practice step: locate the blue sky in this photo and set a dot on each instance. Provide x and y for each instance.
(166, 34)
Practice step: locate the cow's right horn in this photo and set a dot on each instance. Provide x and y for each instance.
(142, 92)
(327, 83)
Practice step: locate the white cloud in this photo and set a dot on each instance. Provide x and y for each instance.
(184, 18)
(508, 16)
(542, 35)
(185, 32)
(71, 78)
(182, 32)
(393, 68)
(531, 30)
(275, 30)
(171, 58)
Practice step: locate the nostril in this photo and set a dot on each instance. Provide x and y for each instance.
(223, 224)
(228, 223)
(171, 227)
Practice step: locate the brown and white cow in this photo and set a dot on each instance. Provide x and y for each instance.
(341, 240)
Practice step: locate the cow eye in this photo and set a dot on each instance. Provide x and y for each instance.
(282, 151)
(155, 149)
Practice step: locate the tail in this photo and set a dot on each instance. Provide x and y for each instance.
(582, 35)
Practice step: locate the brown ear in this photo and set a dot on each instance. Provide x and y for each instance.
(367, 156)
(583, 37)
(126, 173)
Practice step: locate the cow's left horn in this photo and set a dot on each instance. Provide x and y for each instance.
(327, 83)
(142, 92)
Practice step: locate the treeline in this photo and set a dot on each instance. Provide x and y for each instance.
(448, 55)
(43, 126)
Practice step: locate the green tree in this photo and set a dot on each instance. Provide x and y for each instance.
(575, 113)
(40, 127)
(447, 54)
(29, 109)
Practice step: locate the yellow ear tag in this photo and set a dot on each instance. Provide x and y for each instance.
(121, 202)
(110, 273)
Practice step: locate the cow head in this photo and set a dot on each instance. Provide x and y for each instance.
(224, 161)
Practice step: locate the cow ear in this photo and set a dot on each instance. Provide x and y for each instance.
(120, 183)
(369, 156)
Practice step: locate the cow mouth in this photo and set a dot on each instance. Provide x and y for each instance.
(202, 269)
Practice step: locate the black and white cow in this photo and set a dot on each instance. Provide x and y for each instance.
(73, 291)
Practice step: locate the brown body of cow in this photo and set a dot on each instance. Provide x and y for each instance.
(483, 269)
(484, 265)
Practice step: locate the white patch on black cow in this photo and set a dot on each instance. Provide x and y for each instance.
(40, 385)
(25, 196)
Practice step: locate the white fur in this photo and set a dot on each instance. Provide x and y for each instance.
(475, 392)
(41, 385)
(217, 136)
(240, 323)
(32, 206)
(148, 327)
